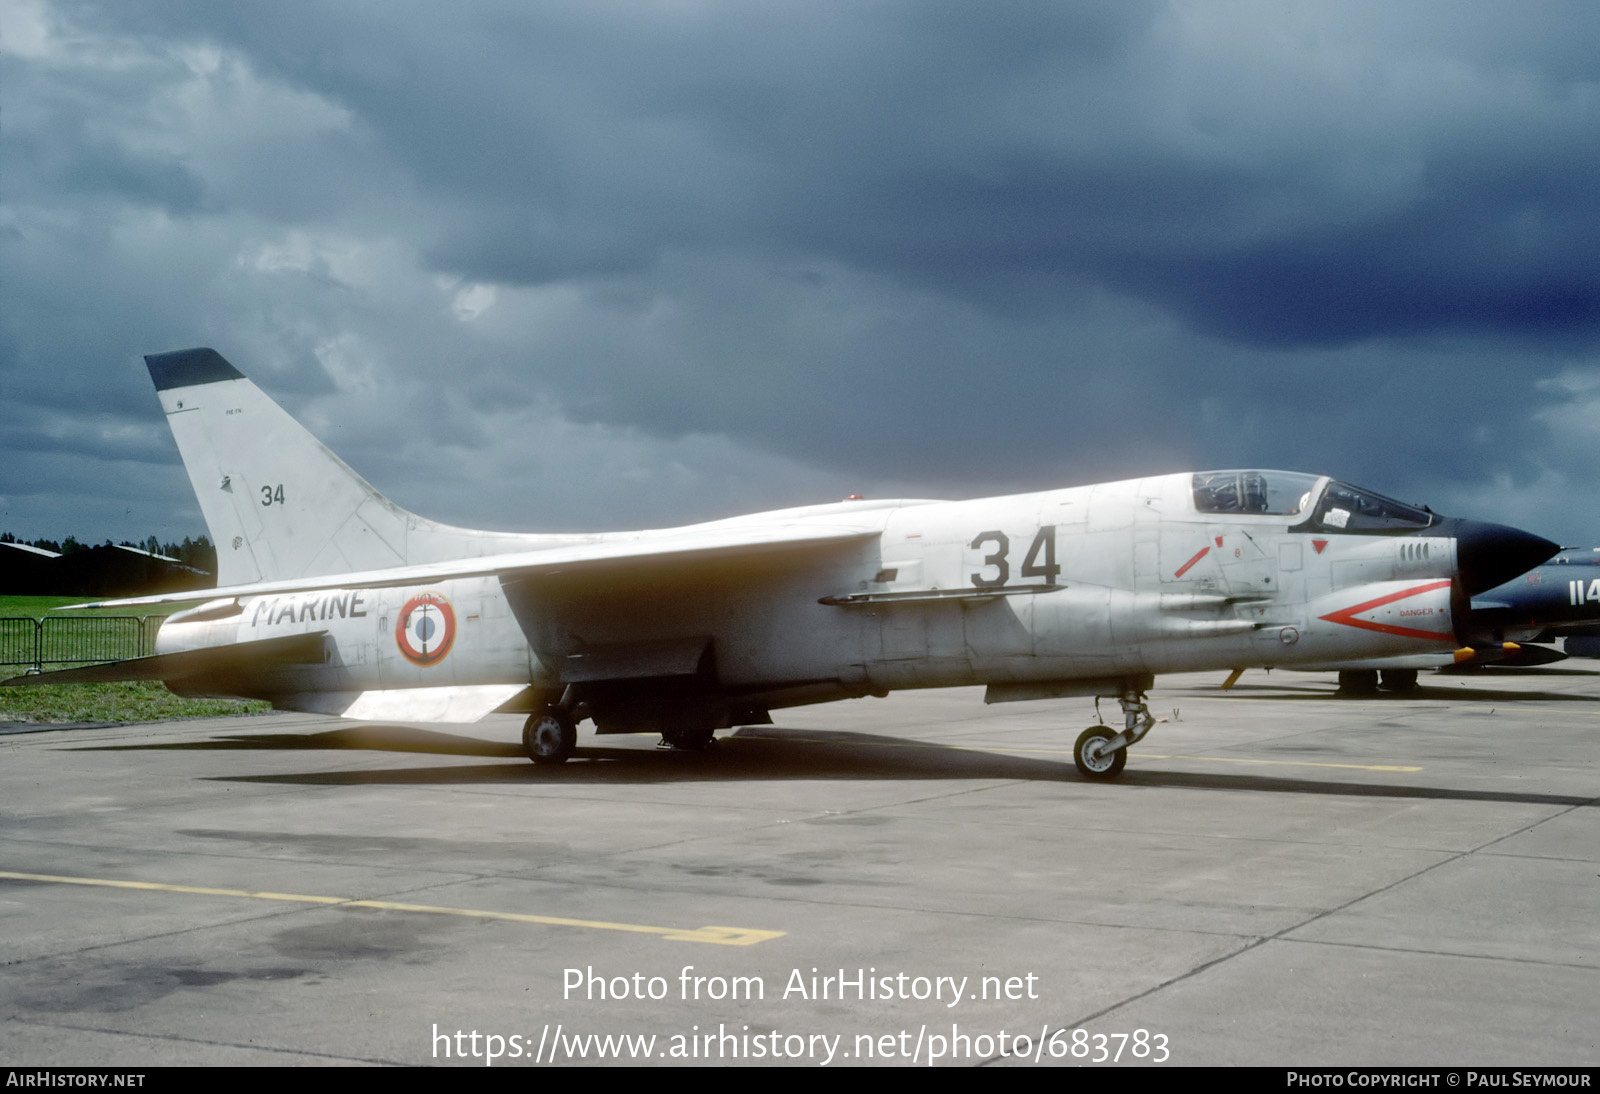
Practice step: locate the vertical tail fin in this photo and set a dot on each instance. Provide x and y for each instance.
(278, 503)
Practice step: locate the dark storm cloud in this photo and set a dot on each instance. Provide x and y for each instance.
(967, 248)
(981, 153)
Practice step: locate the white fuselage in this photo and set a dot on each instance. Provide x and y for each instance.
(1120, 579)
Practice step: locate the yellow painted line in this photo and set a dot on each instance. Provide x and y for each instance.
(1067, 752)
(1275, 763)
(719, 936)
(895, 744)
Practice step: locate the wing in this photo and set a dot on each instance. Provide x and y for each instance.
(709, 544)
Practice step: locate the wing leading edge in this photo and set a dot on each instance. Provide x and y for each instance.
(708, 545)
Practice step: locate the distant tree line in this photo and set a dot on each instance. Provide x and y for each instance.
(198, 552)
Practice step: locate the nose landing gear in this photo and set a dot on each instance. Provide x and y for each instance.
(1100, 754)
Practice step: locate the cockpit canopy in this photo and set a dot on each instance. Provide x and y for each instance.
(1281, 493)
(1347, 508)
(1324, 504)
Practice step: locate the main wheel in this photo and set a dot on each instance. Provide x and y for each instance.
(1090, 754)
(1399, 680)
(1359, 682)
(549, 736)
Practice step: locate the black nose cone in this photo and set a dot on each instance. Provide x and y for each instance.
(1492, 554)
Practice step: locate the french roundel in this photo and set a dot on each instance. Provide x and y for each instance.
(426, 629)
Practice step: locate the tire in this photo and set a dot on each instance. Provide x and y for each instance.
(1399, 680)
(1359, 682)
(1092, 762)
(549, 737)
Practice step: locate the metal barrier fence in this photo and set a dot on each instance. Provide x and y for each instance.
(35, 643)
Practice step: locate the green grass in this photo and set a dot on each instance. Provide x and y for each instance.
(35, 606)
(38, 607)
(138, 701)
(134, 701)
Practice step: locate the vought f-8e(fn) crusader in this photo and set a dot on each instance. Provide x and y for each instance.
(334, 599)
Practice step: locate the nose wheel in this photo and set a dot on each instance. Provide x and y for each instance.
(549, 736)
(1094, 759)
(1101, 754)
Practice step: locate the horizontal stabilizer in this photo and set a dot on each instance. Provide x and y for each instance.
(294, 649)
(460, 704)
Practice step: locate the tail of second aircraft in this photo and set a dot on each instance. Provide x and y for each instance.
(277, 502)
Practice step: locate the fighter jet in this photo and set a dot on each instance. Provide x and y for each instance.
(334, 599)
(1560, 597)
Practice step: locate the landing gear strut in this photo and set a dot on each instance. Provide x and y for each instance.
(1099, 753)
(549, 736)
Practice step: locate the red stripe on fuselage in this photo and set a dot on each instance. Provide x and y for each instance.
(1347, 616)
(1185, 567)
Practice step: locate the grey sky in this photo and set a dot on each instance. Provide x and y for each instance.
(600, 265)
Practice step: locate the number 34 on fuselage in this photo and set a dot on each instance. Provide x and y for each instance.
(334, 599)
(1173, 573)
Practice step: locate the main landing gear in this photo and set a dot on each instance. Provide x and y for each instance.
(549, 735)
(1398, 680)
(1101, 754)
(687, 737)
(551, 732)
(1367, 682)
